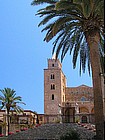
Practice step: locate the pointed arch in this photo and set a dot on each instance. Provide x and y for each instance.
(83, 110)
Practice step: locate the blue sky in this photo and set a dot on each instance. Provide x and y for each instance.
(23, 54)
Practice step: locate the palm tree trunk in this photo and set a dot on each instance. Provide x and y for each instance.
(8, 120)
(97, 85)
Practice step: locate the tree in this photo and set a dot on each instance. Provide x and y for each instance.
(9, 101)
(70, 135)
(78, 27)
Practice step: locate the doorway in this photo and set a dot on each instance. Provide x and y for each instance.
(68, 114)
(84, 119)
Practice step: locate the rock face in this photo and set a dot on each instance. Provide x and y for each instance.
(52, 132)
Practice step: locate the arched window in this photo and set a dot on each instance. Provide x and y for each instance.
(52, 86)
(83, 99)
(52, 76)
(63, 89)
(52, 96)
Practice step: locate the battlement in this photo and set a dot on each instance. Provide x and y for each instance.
(54, 64)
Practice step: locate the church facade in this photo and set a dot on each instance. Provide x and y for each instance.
(62, 103)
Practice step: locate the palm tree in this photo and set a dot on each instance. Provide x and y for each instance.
(9, 101)
(78, 27)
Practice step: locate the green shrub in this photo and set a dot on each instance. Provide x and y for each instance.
(71, 135)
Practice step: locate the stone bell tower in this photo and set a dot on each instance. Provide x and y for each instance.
(54, 89)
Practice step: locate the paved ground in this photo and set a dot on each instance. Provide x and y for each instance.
(53, 132)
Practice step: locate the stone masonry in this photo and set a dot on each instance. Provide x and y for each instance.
(57, 95)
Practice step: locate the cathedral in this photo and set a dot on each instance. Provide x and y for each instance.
(65, 104)
(62, 104)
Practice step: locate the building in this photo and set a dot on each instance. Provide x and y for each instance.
(62, 103)
(18, 122)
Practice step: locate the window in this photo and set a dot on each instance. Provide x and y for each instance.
(52, 96)
(52, 86)
(23, 121)
(14, 119)
(83, 99)
(40, 118)
(52, 65)
(84, 119)
(52, 76)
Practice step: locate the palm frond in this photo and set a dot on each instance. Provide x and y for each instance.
(46, 19)
(77, 1)
(9, 99)
(76, 49)
(69, 21)
(87, 6)
(38, 2)
(65, 7)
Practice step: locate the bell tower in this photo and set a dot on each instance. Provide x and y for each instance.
(54, 89)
